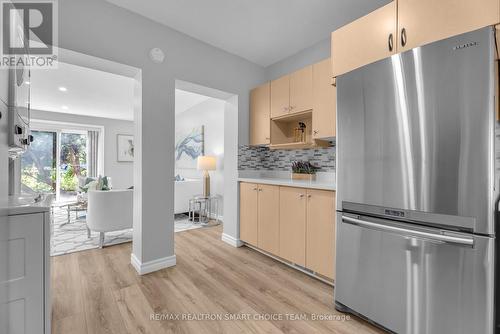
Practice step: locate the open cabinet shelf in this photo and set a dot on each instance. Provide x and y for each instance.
(282, 132)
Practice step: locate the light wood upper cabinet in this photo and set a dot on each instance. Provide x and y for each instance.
(426, 21)
(260, 115)
(269, 218)
(248, 213)
(301, 90)
(366, 40)
(320, 236)
(324, 101)
(293, 225)
(280, 96)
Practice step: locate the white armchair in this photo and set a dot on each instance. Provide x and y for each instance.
(184, 191)
(108, 211)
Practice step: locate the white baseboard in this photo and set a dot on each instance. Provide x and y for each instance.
(231, 241)
(151, 266)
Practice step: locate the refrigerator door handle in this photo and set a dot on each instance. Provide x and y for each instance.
(409, 232)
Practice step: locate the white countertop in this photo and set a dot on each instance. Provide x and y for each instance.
(324, 181)
(25, 204)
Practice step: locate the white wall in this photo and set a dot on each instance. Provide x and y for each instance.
(314, 54)
(209, 113)
(100, 29)
(121, 173)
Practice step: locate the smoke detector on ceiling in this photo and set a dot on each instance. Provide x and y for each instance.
(157, 55)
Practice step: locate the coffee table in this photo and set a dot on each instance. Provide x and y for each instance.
(75, 207)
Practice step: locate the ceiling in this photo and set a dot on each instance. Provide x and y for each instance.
(261, 31)
(185, 100)
(88, 92)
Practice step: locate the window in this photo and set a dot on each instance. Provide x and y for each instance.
(54, 162)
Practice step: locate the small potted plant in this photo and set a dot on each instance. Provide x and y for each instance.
(303, 170)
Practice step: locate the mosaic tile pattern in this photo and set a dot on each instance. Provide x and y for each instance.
(262, 158)
(72, 237)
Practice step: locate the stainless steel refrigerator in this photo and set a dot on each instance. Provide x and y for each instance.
(417, 188)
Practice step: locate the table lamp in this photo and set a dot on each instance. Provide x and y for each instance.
(206, 163)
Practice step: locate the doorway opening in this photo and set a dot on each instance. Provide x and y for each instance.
(206, 142)
(83, 123)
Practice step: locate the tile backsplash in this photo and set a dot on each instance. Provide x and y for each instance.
(262, 158)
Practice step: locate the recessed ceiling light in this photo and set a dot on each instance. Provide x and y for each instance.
(27, 82)
(63, 89)
(64, 108)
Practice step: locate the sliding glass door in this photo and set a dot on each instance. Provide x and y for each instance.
(38, 164)
(72, 164)
(54, 162)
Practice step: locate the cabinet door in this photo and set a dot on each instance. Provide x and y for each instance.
(301, 90)
(269, 218)
(324, 116)
(260, 114)
(23, 306)
(365, 40)
(320, 237)
(280, 96)
(293, 225)
(426, 21)
(248, 213)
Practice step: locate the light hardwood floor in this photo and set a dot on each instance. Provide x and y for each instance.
(97, 291)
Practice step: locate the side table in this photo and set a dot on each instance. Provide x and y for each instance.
(203, 205)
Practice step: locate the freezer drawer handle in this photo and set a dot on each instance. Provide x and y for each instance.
(404, 231)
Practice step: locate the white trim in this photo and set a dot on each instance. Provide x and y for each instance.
(151, 266)
(231, 241)
(50, 125)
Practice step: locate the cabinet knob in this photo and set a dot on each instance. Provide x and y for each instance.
(390, 42)
(285, 108)
(254, 188)
(291, 108)
(267, 138)
(301, 195)
(315, 132)
(403, 37)
(309, 196)
(260, 189)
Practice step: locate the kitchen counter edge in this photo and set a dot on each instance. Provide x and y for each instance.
(320, 185)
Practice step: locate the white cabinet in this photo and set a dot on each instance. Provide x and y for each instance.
(25, 285)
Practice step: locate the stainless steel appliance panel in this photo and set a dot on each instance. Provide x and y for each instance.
(415, 131)
(415, 280)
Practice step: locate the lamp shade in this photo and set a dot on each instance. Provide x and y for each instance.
(206, 162)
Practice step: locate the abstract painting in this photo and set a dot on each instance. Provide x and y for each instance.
(189, 145)
(125, 148)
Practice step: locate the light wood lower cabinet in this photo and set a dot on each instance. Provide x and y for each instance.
(248, 213)
(268, 218)
(259, 216)
(320, 232)
(293, 225)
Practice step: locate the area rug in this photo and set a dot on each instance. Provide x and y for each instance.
(72, 237)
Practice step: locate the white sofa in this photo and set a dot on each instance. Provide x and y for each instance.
(184, 191)
(110, 210)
